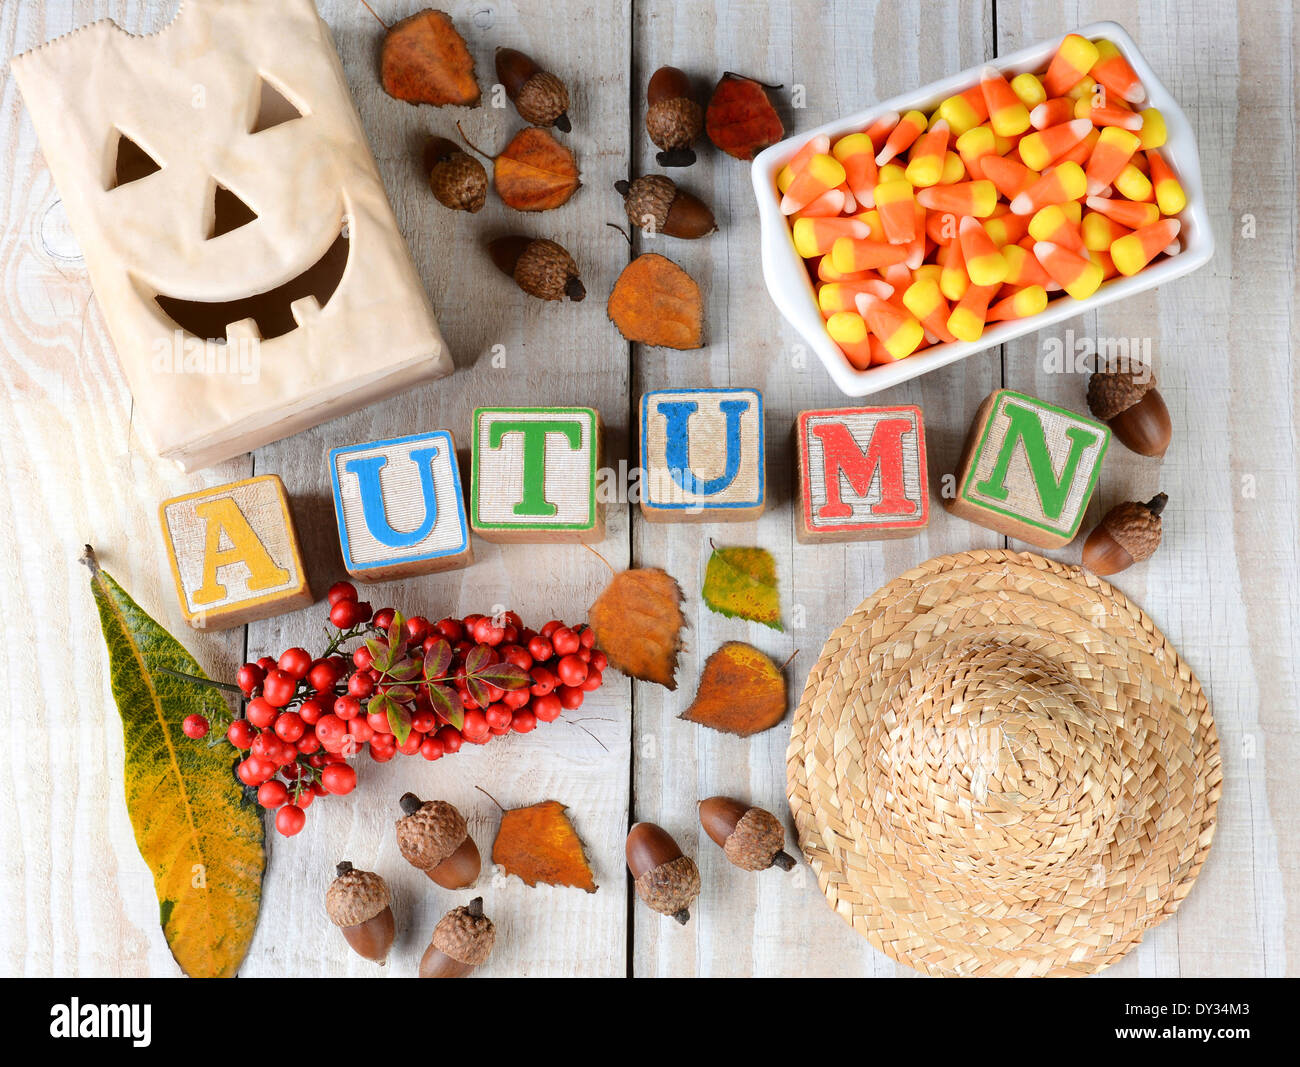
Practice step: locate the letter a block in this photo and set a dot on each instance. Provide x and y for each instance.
(533, 475)
(234, 553)
(399, 507)
(1029, 469)
(702, 455)
(861, 474)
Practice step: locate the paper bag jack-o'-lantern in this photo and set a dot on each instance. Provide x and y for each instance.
(233, 222)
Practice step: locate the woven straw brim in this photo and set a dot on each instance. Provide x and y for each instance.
(1000, 767)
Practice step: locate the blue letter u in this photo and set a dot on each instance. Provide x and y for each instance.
(677, 450)
(372, 498)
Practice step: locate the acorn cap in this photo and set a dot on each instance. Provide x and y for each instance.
(465, 934)
(674, 123)
(546, 270)
(459, 182)
(1136, 527)
(755, 841)
(543, 101)
(431, 833)
(671, 887)
(1112, 392)
(355, 896)
(651, 194)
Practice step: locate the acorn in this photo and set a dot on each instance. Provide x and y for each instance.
(539, 267)
(538, 95)
(433, 836)
(752, 838)
(1127, 534)
(666, 880)
(672, 119)
(457, 179)
(655, 205)
(358, 903)
(461, 941)
(1129, 403)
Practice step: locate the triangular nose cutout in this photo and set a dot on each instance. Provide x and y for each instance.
(228, 212)
(133, 162)
(273, 109)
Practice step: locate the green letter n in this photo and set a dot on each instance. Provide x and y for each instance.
(534, 502)
(1025, 427)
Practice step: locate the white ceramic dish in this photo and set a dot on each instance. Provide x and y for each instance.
(787, 276)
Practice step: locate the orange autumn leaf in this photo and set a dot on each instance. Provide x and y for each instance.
(741, 692)
(540, 845)
(425, 61)
(638, 622)
(657, 303)
(535, 172)
(741, 119)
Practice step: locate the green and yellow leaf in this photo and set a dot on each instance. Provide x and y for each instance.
(202, 843)
(741, 583)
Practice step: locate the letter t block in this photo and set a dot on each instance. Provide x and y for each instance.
(862, 474)
(1029, 469)
(533, 476)
(234, 553)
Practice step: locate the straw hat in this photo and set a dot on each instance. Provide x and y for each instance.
(999, 767)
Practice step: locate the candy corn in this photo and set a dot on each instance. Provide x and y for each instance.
(1169, 191)
(1019, 305)
(1078, 275)
(1113, 71)
(1052, 224)
(897, 209)
(1053, 113)
(1153, 132)
(842, 296)
(831, 202)
(1057, 186)
(879, 130)
(953, 279)
(1131, 183)
(954, 170)
(1006, 229)
(963, 198)
(1107, 114)
(816, 146)
(925, 164)
(984, 262)
(1007, 113)
(857, 156)
(1110, 155)
(849, 330)
(897, 330)
(973, 146)
(849, 255)
(815, 237)
(820, 174)
(1125, 212)
(1100, 232)
(1029, 89)
(1009, 176)
(1070, 65)
(902, 136)
(1134, 251)
(1040, 149)
(964, 111)
(924, 299)
(1024, 270)
(966, 322)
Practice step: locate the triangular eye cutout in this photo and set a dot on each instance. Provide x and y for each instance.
(133, 162)
(273, 109)
(228, 212)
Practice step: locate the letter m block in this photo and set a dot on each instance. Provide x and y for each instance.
(861, 474)
(1029, 469)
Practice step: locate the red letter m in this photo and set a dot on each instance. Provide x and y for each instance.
(884, 454)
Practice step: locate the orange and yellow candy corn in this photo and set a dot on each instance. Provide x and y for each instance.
(1107, 115)
(902, 136)
(1040, 149)
(1153, 132)
(964, 111)
(857, 156)
(1078, 275)
(1023, 269)
(924, 299)
(879, 130)
(1058, 186)
(816, 237)
(1070, 65)
(973, 146)
(1029, 89)
(1113, 71)
(897, 208)
(953, 279)
(1018, 305)
(1170, 196)
(963, 198)
(984, 262)
(842, 296)
(849, 330)
(925, 164)
(1010, 176)
(1132, 184)
(1008, 115)
(1110, 155)
(1133, 215)
(1053, 112)
(819, 175)
(1051, 223)
(896, 328)
(966, 322)
(849, 255)
(1134, 251)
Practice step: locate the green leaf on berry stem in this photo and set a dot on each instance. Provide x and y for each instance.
(399, 721)
(202, 843)
(479, 656)
(437, 660)
(478, 691)
(379, 652)
(446, 705)
(404, 671)
(504, 676)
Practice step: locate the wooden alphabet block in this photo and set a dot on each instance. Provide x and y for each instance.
(702, 455)
(234, 553)
(1029, 469)
(861, 474)
(533, 476)
(399, 507)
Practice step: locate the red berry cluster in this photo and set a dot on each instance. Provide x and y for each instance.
(410, 686)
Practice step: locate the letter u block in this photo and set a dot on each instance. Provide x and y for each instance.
(234, 553)
(702, 455)
(399, 507)
(861, 474)
(1029, 469)
(533, 476)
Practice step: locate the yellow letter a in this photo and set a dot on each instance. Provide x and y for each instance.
(223, 516)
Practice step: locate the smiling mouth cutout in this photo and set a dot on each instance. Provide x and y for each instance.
(273, 310)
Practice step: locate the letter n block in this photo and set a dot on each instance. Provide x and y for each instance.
(234, 553)
(399, 507)
(862, 474)
(533, 476)
(1029, 469)
(702, 455)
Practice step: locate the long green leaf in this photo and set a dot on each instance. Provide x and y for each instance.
(203, 845)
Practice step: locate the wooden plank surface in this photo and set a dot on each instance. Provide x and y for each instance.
(1223, 587)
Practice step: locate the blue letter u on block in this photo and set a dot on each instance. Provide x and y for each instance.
(677, 451)
(373, 511)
